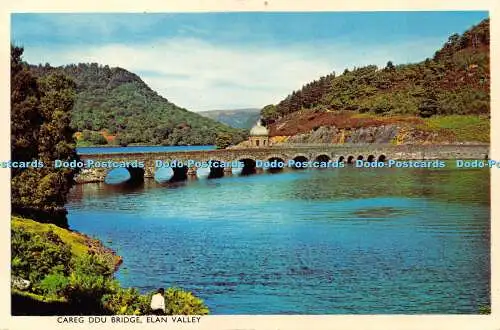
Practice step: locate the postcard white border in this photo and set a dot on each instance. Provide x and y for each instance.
(383, 322)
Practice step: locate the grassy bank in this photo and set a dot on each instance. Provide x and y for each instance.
(80, 244)
(452, 128)
(365, 127)
(72, 274)
(462, 128)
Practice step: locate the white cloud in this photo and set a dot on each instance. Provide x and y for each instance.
(198, 75)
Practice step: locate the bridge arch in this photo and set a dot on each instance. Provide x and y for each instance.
(129, 175)
(382, 158)
(283, 157)
(277, 163)
(322, 157)
(350, 159)
(360, 157)
(249, 165)
(341, 159)
(370, 158)
(170, 171)
(216, 171)
(298, 159)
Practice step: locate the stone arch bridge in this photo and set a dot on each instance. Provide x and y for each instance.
(249, 156)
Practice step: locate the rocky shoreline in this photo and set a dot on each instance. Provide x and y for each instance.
(96, 247)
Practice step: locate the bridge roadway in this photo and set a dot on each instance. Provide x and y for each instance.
(345, 153)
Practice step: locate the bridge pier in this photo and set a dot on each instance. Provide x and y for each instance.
(149, 170)
(192, 171)
(91, 175)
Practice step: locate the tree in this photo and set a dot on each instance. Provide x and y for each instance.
(25, 117)
(97, 138)
(40, 126)
(390, 65)
(269, 113)
(223, 140)
(429, 105)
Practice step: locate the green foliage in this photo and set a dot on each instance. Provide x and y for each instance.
(90, 280)
(53, 285)
(24, 101)
(126, 302)
(40, 131)
(270, 112)
(88, 289)
(180, 302)
(223, 140)
(429, 106)
(81, 282)
(120, 102)
(93, 138)
(463, 127)
(34, 256)
(131, 302)
(458, 76)
(92, 264)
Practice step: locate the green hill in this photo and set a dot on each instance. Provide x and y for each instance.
(238, 118)
(115, 106)
(454, 82)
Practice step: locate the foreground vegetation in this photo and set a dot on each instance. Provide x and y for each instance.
(71, 274)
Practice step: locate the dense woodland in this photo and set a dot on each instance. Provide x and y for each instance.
(454, 82)
(116, 104)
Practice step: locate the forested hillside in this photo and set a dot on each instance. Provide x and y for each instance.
(455, 81)
(115, 106)
(238, 118)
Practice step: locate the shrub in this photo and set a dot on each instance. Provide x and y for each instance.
(34, 256)
(180, 302)
(53, 284)
(90, 280)
(126, 302)
(97, 138)
(428, 107)
(92, 264)
(223, 140)
(87, 290)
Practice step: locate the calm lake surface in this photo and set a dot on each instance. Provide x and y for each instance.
(333, 241)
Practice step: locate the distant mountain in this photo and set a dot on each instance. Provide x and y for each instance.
(238, 118)
(454, 83)
(118, 107)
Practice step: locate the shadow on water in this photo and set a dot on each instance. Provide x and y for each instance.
(381, 213)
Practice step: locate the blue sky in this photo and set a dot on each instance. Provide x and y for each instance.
(204, 61)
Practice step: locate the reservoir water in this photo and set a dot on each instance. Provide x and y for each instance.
(333, 241)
